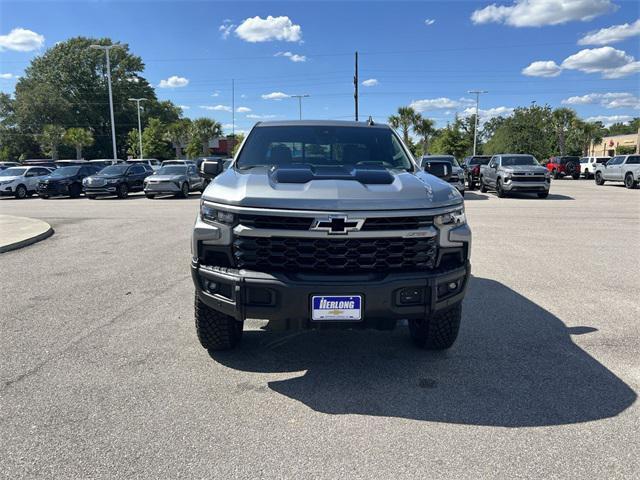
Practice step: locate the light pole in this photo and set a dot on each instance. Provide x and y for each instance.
(475, 127)
(300, 97)
(138, 100)
(106, 49)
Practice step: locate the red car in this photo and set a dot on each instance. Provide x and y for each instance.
(564, 166)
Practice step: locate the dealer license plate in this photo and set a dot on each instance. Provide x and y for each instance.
(341, 307)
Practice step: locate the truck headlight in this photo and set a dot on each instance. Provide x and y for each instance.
(211, 215)
(454, 218)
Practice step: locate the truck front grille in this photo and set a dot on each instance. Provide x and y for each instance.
(304, 223)
(334, 255)
(527, 178)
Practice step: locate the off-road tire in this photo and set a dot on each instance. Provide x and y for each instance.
(576, 176)
(472, 186)
(629, 182)
(483, 187)
(586, 174)
(599, 179)
(150, 195)
(556, 174)
(543, 194)
(437, 331)
(75, 190)
(21, 192)
(216, 331)
(499, 191)
(122, 190)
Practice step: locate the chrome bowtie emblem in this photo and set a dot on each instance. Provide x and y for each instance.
(338, 225)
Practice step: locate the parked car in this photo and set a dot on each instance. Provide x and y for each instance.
(70, 162)
(588, 165)
(21, 182)
(199, 160)
(356, 234)
(471, 166)
(117, 180)
(39, 162)
(178, 162)
(507, 173)
(457, 174)
(65, 181)
(621, 168)
(564, 166)
(174, 179)
(105, 162)
(5, 165)
(153, 163)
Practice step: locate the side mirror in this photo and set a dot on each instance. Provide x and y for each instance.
(439, 169)
(210, 168)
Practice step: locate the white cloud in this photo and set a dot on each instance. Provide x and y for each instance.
(241, 96)
(542, 69)
(486, 114)
(243, 109)
(606, 100)
(21, 40)
(216, 93)
(174, 82)
(184, 107)
(259, 29)
(536, 13)
(274, 96)
(608, 61)
(253, 116)
(228, 126)
(429, 21)
(226, 28)
(370, 82)
(294, 57)
(610, 119)
(217, 108)
(434, 104)
(613, 34)
(7, 76)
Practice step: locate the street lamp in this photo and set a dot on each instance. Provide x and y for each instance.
(138, 100)
(475, 128)
(106, 49)
(300, 97)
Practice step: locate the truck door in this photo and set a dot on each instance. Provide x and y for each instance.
(492, 171)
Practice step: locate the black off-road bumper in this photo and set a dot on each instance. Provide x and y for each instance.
(285, 299)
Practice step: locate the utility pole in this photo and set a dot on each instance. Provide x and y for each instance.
(475, 128)
(300, 97)
(233, 114)
(138, 100)
(106, 49)
(355, 86)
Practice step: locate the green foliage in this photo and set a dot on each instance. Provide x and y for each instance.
(154, 144)
(624, 129)
(237, 142)
(178, 134)
(50, 140)
(203, 130)
(625, 150)
(453, 140)
(133, 143)
(78, 138)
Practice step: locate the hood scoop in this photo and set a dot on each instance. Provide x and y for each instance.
(368, 175)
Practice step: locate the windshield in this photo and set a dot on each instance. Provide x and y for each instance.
(172, 170)
(514, 161)
(322, 145)
(479, 160)
(114, 170)
(440, 158)
(13, 172)
(568, 159)
(584, 160)
(65, 172)
(602, 160)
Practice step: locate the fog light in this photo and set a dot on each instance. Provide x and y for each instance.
(209, 286)
(453, 285)
(411, 296)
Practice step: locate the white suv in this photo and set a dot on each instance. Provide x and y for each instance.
(588, 165)
(21, 182)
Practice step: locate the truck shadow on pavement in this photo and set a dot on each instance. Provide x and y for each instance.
(514, 365)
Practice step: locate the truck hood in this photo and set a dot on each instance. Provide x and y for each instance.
(256, 188)
(525, 168)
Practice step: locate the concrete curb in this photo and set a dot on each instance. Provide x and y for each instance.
(39, 230)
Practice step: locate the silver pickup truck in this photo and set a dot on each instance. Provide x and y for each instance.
(621, 168)
(507, 173)
(328, 224)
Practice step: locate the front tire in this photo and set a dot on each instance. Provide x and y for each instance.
(437, 331)
(576, 176)
(472, 186)
(123, 190)
(599, 179)
(543, 194)
(216, 331)
(499, 190)
(21, 192)
(629, 182)
(483, 187)
(150, 195)
(184, 190)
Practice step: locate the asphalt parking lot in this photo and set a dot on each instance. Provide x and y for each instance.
(101, 374)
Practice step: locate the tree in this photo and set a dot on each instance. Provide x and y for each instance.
(624, 128)
(563, 119)
(583, 135)
(51, 139)
(424, 128)
(154, 144)
(179, 134)
(203, 130)
(67, 86)
(78, 138)
(238, 141)
(404, 120)
(133, 143)
(452, 140)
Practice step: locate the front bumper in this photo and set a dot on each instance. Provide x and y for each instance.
(104, 190)
(52, 189)
(162, 187)
(6, 190)
(515, 186)
(284, 299)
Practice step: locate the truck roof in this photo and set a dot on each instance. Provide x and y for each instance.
(316, 123)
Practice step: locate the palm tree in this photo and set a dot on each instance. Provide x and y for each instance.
(423, 127)
(589, 133)
(51, 139)
(405, 118)
(78, 138)
(179, 133)
(562, 119)
(203, 130)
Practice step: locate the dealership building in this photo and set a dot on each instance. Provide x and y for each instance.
(615, 145)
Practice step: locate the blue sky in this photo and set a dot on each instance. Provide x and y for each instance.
(573, 52)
